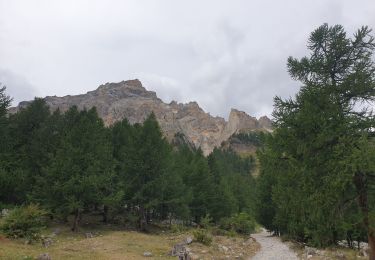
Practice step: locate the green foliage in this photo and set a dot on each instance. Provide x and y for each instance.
(206, 221)
(241, 223)
(178, 228)
(81, 169)
(251, 138)
(202, 236)
(70, 163)
(5, 101)
(24, 222)
(309, 181)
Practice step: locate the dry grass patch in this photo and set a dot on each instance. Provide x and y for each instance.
(108, 243)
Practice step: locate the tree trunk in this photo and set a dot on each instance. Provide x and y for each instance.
(142, 219)
(170, 220)
(371, 243)
(360, 183)
(77, 217)
(105, 214)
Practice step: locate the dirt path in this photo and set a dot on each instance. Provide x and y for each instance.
(272, 248)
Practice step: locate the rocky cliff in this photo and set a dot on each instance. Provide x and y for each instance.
(129, 99)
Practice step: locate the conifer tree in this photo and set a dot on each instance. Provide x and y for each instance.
(81, 169)
(316, 139)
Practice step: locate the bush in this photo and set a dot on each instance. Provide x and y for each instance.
(202, 236)
(24, 222)
(242, 223)
(206, 221)
(178, 228)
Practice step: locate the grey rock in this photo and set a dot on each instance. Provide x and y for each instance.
(189, 240)
(340, 255)
(147, 254)
(44, 256)
(178, 249)
(47, 241)
(89, 235)
(4, 212)
(310, 250)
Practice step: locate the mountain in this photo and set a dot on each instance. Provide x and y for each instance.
(129, 99)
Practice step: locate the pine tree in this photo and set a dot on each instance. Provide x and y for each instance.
(146, 163)
(81, 168)
(316, 137)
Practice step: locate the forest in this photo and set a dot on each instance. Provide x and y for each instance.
(70, 164)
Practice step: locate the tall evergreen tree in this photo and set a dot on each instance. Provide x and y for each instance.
(80, 170)
(146, 164)
(317, 135)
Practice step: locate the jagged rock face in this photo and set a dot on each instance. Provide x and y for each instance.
(129, 99)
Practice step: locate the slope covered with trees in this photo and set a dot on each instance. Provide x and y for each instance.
(70, 164)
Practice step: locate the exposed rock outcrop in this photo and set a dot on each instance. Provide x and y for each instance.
(129, 99)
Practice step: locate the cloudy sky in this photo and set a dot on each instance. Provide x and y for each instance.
(222, 54)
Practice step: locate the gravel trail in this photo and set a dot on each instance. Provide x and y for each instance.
(272, 248)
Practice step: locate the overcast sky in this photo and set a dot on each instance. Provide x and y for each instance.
(222, 54)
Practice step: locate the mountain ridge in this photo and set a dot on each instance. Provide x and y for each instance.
(130, 99)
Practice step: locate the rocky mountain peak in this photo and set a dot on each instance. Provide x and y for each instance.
(125, 89)
(265, 122)
(240, 121)
(129, 99)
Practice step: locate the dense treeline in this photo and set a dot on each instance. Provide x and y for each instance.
(71, 164)
(317, 173)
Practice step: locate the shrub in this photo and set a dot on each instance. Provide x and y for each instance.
(178, 228)
(242, 223)
(206, 221)
(24, 222)
(202, 236)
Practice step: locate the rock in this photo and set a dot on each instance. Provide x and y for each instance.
(265, 123)
(362, 253)
(4, 212)
(129, 99)
(147, 254)
(178, 249)
(310, 250)
(225, 249)
(44, 256)
(194, 256)
(47, 242)
(189, 240)
(340, 255)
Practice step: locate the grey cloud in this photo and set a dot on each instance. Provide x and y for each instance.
(221, 54)
(17, 86)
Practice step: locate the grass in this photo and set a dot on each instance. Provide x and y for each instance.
(114, 242)
(107, 244)
(329, 252)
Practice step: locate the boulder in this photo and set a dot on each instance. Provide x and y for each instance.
(189, 240)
